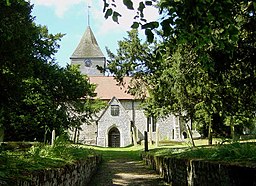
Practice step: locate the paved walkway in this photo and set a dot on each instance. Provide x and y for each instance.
(125, 172)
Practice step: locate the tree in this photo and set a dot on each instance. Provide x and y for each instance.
(202, 63)
(36, 94)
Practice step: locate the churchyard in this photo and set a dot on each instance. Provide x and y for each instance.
(19, 160)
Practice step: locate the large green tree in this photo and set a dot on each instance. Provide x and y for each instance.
(37, 95)
(203, 63)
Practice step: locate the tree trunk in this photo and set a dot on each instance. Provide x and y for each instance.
(150, 132)
(1, 134)
(134, 137)
(45, 134)
(232, 129)
(78, 134)
(157, 136)
(74, 139)
(210, 132)
(190, 136)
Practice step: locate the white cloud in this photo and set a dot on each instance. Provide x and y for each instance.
(60, 6)
(125, 21)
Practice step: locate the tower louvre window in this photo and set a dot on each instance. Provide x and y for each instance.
(115, 110)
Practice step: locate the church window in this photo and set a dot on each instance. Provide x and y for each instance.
(115, 110)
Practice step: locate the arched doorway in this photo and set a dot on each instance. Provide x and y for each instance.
(185, 135)
(114, 138)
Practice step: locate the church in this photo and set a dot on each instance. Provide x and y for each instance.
(123, 120)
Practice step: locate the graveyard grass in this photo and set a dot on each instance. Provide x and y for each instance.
(14, 163)
(38, 157)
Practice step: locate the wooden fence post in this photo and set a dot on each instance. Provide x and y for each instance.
(146, 140)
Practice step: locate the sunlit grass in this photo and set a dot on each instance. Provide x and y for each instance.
(16, 163)
(241, 153)
(107, 153)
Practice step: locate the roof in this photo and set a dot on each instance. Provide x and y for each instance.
(107, 88)
(88, 46)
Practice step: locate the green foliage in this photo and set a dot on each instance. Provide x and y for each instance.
(36, 94)
(15, 164)
(128, 4)
(201, 67)
(235, 152)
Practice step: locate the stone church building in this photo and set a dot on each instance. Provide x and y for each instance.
(123, 119)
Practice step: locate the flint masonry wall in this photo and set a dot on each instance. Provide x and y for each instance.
(78, 174)
(197, 172)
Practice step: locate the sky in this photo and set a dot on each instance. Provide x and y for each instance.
(70, 17)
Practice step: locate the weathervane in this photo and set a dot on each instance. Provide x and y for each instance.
(88, 15)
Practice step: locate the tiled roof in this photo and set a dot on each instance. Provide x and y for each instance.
(88, 46)
(107, 88)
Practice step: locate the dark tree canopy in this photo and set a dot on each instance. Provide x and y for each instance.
(36, 94)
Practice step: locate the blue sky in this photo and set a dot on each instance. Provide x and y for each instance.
(70, 17)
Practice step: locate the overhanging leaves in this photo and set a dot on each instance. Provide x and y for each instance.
(108, 13)
(115, 16)
(135, 25)
(150, 35)
(128, 4)
(150, 25)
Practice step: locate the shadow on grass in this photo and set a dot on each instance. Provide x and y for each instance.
(123, 166)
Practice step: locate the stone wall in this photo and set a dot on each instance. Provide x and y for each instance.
(78, 174)
(122, 122)
(197, 172)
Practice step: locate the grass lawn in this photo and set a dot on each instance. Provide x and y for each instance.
(132, 153)
(243, 152)
(14, 162)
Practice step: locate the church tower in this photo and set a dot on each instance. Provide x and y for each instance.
(88, 55)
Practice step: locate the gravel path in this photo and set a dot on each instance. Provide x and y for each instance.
(125, 172)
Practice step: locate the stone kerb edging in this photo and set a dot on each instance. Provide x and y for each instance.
(199, 172)
(78, 174)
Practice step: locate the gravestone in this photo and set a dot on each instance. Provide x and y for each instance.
(53, 137)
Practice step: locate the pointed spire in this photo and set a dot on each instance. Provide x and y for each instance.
(88, 46)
